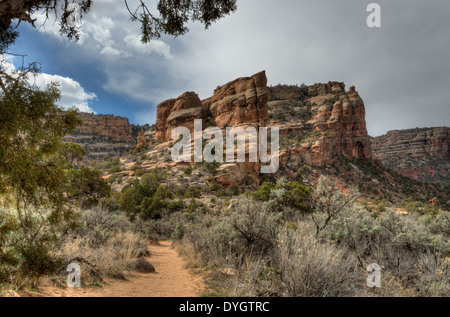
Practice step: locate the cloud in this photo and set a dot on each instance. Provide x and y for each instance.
(156, 46)
(72, 93)
(400, 70)
(108, 50)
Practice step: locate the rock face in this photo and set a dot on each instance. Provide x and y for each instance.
(321, 126)
(422, 154)
(141, 141)
(103, 135)
(240, 102)
(324, 120)
(180, 112)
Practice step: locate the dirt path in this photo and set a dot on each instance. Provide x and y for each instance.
(170, 280)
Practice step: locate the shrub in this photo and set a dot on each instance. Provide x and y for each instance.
(402, 245)
(309, 268)
(26, 249)
(115, 256)
(264, 191)
(188, 170)
(193, 206)
(8, 259)
(145, 198)
(232, 191)
(247, 229)
(211, 167)
(104, 242)
(99, 224)
(192, 192)
(86, 187)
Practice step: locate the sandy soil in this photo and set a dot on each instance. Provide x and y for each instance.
(170, 280)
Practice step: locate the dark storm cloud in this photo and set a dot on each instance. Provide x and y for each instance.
(401, 70)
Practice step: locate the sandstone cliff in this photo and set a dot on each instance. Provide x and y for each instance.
(242, 101)
(318, 123)
(422, 154)
(325, 123)
(103, 135)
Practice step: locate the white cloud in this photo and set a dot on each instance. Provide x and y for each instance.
(108, 50)
(155, 46)
(72, 93)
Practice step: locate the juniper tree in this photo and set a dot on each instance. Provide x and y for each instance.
(32, 164)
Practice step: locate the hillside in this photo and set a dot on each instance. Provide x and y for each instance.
(322, 132)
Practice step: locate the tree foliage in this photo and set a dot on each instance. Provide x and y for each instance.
(86, 186)
(170, 16)
(32, 125)
(147, 199)
(286, 194)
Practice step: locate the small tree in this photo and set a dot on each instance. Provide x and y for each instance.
(33, 165)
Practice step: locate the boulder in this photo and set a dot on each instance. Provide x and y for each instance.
(142, 266)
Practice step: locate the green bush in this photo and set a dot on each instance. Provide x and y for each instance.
(264, 191)
(232, 191)
(8, 259)
(288, 194)
(188, 170)
(37, 261)
(26, 249)
(211, 167)
(192, 192)
(86, 187)
(145, 198)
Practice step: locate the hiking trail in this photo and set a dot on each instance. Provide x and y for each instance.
(170, 280)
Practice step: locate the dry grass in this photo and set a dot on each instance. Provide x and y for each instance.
(309, 268)
(111, 259)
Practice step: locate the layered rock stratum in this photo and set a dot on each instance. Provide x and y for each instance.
(321, 123)
(103, 135)
(422, 154)
(240, 102)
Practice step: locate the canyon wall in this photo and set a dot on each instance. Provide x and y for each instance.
(422, 154)
(103, 135)
(326, 122)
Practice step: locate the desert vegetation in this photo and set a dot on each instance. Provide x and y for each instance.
(276, 248)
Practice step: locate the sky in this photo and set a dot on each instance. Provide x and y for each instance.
(401, 70)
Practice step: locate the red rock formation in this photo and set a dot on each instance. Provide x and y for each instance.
(324, 89)
(180, 112)
(337, 121)
(103, 135)
(242, 101)
(433, 142)
(141, 141)
(337, 127)
(422, 154)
